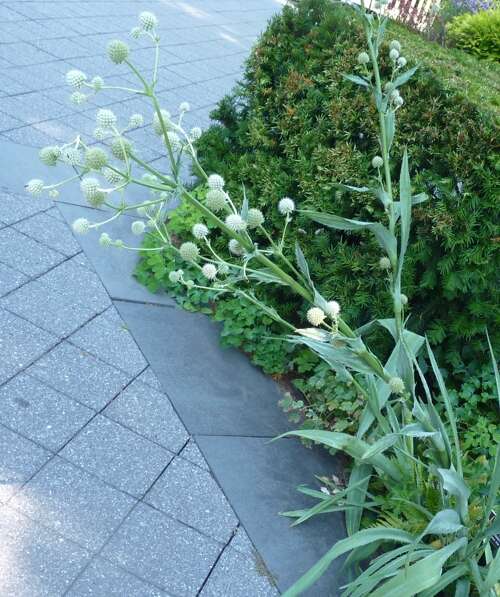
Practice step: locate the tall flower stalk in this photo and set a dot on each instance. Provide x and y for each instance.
(407, 463)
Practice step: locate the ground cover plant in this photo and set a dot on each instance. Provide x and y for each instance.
(414, 514)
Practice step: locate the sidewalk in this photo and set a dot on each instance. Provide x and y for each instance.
(102, 490)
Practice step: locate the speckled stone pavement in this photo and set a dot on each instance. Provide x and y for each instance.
(102, 491)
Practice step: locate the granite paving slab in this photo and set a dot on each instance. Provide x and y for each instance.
(35, 560)
(55, 235)
(25, 254)
(10, 279)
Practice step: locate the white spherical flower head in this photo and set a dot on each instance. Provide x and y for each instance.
(384, 263)
(111, 176)
(189, 251)
(175, 276)
(35, 187)
(223, 269)
(395, 45)
(81, 226)
(71, 156)
(195, 133)
(49, 155)
(363, 58)
(97, 83)
(121, 148)
(255, 218)
(401, 62)
(235, 248)
(215, 200)
(89, 187)
(77, 98)
(315, 316)
(165, 114)
(138, 227)
(53, 193)
(106, 119)
(404, 300)
(184, 107)
(393, 55)
(95, 158)
(398, 101)
(209, 271)
(200, 231)
(216, 182)
(105, 240)
(136, 121)
(396, 385)
(148, 21)
(236, 223)
(117, 51)
(174, 140)
(286, 206)
(99, 134)
(332, 309)
(377, 162)
(75, 78)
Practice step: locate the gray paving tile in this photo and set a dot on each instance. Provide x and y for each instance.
(26, 255)
(163, 551)
(40, 413)
(8, 122)
(29, 135)
(20, 344)
(74, 280)
(191, 495)
(15, 207)
(10, 279)
(79, 506)
(192, 453)
(80, 375)
(51, 233)
(149, 378)
(102, 578)
(36, 561)
(260, 480)
(149, 413)
(241, 542)
(117, 455)
(19, 460)
(47, 308)
(108, 338)
(236, 575)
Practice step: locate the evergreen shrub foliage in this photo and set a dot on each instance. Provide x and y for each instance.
(295, 128)
(477, 33)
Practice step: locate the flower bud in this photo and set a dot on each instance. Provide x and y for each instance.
(215, 200)
(315, 316)
(121, 148)
(76, 78)
(209, 271)
(332, 309)
(148, 21)
(395, 45)
(136, 121)
(377, 162)
(384, 263)
(106, 119)
(111, 176)
(216, 182)
(255, 218)
(286, 206)
(200, 231)
(105, 240)
(195, 133)
(235, 248)
(71, 156)
(175, 276)
(174, 140)
(184, 107)
(97, 83)
(35, 187)
(77, 98)
(53, 193)
(49, 155)
(396, 385)
(236, 223)
(118, 51)
(363, 58)
(137, 227)
(404, 300)
(401, 62)
(95, 158)
(81, 226)
(165, 114)
(136, 32)
(189, 251)
(393, 55)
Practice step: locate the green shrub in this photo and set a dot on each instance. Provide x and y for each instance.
(477, 33)
(296, 128)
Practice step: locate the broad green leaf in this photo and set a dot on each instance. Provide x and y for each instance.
(445, 522)
(356, 494)
(449, 577)
(493, 575)
(384, 237)
(347, 187)
(420, 576)
(416, 430)
(454, 484)
(390, 127)
(357, 80)
(462, 588)
(405, 200)
(494, 488)
(495, 367)
(404, 77)
(349, 444)
(302, 262)
(363, 537)
(380, 446)
(244, 207)
(265, 276)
